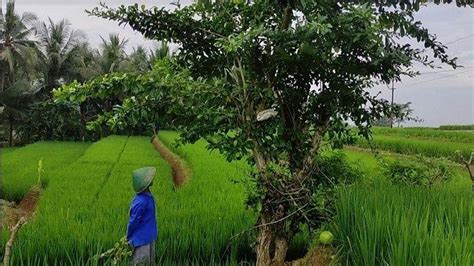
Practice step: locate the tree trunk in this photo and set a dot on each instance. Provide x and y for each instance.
(82, 132)
(269, 241)
(264, 240)
(281, 248)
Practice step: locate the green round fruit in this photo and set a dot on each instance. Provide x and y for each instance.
(326, 237)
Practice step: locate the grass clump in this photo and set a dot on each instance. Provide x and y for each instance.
(418, 171)
(382, 224)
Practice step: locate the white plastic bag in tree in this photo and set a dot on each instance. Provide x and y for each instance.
(266, 114)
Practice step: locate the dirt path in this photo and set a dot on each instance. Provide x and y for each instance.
(181, 172)
(25, 208)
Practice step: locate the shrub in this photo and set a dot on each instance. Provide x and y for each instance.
(334, 171)
(53, 121)
(418, 171)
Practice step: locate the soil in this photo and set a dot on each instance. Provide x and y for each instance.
(25, 208)
(318, 256)
(180, 171)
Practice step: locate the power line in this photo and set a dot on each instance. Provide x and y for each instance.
(424, 81)
(462, 38)
(443, 71)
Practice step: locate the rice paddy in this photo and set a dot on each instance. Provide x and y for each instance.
(84, 208)
(20, 166)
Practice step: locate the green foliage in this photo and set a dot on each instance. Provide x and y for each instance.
(333, 172)
(381, 224)
(53, 121)
(229, 43)
(128, 103)
(118, 254)
(401, 112)
(418, 171)
(60, 52)
(112, 53)
(276, 77)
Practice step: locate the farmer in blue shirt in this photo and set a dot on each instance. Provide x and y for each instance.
(142, 230)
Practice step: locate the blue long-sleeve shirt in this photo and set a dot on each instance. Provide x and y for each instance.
(142, 228)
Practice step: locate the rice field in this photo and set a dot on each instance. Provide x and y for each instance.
(381, 224)
(427, 134)
(440, 148)
(84, 209)
(20, 166)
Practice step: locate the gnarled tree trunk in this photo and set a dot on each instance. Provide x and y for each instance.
(264, 240)
(271, 247)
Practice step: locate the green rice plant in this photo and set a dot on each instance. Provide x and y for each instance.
(426, 134)
(66, 224)
(381, 224)
(84, 210)
(212, 202)
(20, 166)
(429, 148)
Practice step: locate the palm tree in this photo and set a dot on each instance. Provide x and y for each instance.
(85, 65)
(136, 62)
(112, 52)
(17, 58)
(61, 51)
(161, 51)
(16, 45)
(15, 101)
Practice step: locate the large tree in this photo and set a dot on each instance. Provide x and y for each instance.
(61, 52)
(16, 45)
(112, 53)
(17, 59)
(282, 74)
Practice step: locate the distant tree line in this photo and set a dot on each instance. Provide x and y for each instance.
(38, 56)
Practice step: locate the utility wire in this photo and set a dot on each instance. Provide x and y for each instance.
(424, 81)
(462, 38)
(443, 71)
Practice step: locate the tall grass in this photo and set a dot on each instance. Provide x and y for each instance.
(380, 224)
(20, 165)
(211, 205)
(410, 146)
(66, 224)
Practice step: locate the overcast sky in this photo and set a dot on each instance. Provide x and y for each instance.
(438, 98)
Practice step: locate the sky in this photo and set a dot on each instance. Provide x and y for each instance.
(437, 98)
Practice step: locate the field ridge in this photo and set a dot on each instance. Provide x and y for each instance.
(181, 172)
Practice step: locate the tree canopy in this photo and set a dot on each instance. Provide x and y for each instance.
(281, 76)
